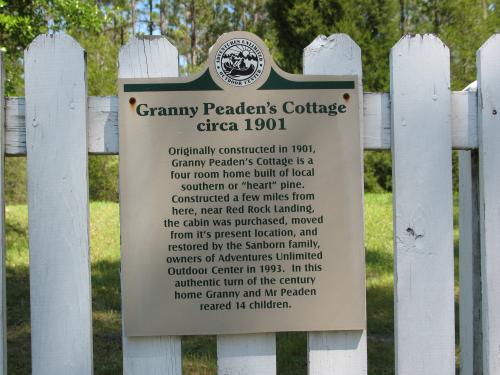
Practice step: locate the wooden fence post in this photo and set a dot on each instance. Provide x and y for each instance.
(150, 57)
(253, 354)
(56, 114)
(343, 352)
(470, 266)
(471, 356)
(423, 206)
(3, 307)
(488, 85)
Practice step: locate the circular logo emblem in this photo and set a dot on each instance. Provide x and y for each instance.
(239, 62)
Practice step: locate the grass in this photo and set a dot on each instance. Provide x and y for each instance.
(199, 352)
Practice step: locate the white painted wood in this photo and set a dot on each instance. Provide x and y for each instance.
(464, 120)
(103, 123)
(488, 85)
(56, 109)
(3, 306)
(324, 54)
(338, 353)
(152, 355)
(246, 354)
(15, 126)
(147, 57)
(470, 265)
(103, 118)
(470, 255)
(423, 206)
(376, 121)
(471, 87)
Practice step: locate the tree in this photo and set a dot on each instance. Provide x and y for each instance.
(463, 25)
(373, 24)
(101, 28)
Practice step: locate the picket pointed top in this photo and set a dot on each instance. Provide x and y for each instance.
(420, 56)
(145, 57)
(57, 40)
(410, 40)
(492, 42)
(487, 59)
(338, 48)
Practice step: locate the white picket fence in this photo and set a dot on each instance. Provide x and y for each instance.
(421, 120)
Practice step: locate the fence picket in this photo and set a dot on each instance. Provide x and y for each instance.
(56, 109)
(423, 206)
(488, 85)
(246, 354)
(253, 354)
(150, 57)
(3, 307)
(342, 353)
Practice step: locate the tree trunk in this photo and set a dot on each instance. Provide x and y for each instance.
(437, 18)
(255, 19)
(192, 11)
(402, 17)
(163, 17)
(133, 16)
(150, 23)
(244, 19)
(485, 9)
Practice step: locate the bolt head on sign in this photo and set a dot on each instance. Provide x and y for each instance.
(241, 198)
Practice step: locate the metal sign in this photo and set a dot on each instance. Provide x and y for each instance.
(241, 199)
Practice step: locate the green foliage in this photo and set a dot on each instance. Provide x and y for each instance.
(20, 22)
(102, 67)
(297, 23)
(70, 15)
(378, 171)
(101, 29)
(463, 25)
(15, 180)
(371, 23)
(103, 178)
(194, 38)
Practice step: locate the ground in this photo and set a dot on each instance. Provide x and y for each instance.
(199, 352)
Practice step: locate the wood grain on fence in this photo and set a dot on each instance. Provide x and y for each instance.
(143, 58)
(423, 206)
(56, 139)
(488, 86)
(345, 352)
(253, 354)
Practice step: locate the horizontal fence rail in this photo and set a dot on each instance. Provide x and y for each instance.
(339, 353)
(103, 123)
